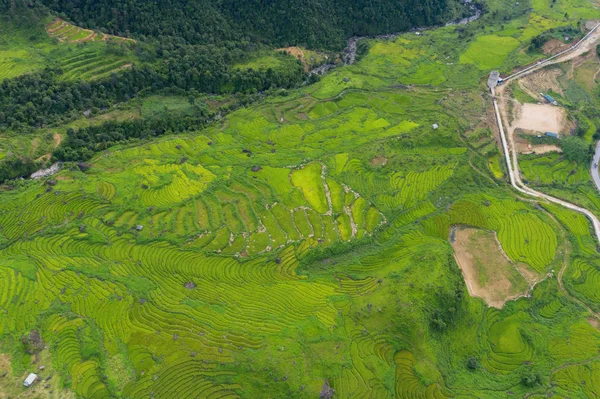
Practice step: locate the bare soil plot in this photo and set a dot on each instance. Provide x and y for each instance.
(295, 51)
(540, 118)
(541, 81)
(526, 148)
(555, 46)
(489, 274)
(379, 161)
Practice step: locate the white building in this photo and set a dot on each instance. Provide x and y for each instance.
(30, 379)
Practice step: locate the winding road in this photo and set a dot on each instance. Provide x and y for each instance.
(508, 146)
(517, 183)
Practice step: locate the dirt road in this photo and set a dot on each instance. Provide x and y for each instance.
(515, 176)
(508, 146)
(584, 45)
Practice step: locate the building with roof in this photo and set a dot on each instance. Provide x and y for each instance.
(30, 380)
(550, 99)
(493, 79)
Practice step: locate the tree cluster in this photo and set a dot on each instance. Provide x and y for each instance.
(576, 149)
(82, 144)
(13, 167)
(314, 23)
(42, 98)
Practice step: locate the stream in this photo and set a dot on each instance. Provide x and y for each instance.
(349, 53)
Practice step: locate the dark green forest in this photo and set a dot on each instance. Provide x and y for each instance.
(312, 23)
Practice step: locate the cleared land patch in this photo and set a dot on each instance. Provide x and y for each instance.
(540, 118)
(526, 148)
(489, 274)
(541, 81)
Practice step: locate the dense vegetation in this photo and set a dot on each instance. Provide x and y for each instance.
(314, 23)
(45, 97)
(216, 235)
(41, 98)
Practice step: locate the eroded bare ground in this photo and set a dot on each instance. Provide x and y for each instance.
(379, 160)
(541, 82)
(489, 274)
(555, 46)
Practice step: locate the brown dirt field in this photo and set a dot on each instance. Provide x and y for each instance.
(379, 161)
(295, 51)
(541, 81)
(540, 118)
(530, 275)
(526, 148)
(57, 139)
(488, 272)
(554, 46)
(594, 322)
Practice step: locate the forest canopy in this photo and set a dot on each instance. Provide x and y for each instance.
(313, 23)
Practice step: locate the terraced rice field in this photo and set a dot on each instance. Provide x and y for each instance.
(553, 168)
(14, 63)
(92, 64)
(301, 244)
(189, 255)
(66, 32)
(507, 347)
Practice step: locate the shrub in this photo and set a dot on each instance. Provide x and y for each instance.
(576, 149)
(472, 363)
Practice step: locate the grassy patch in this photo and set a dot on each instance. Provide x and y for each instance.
(488, 52)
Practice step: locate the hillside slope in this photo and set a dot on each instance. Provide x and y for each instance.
(315, 23)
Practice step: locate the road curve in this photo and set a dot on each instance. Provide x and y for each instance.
(515, 176)
(513, 165)
(582, 46)
(594, 166)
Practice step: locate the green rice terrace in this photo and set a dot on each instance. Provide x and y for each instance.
(307, 243)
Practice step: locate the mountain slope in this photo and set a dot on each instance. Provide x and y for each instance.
(315, 23)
